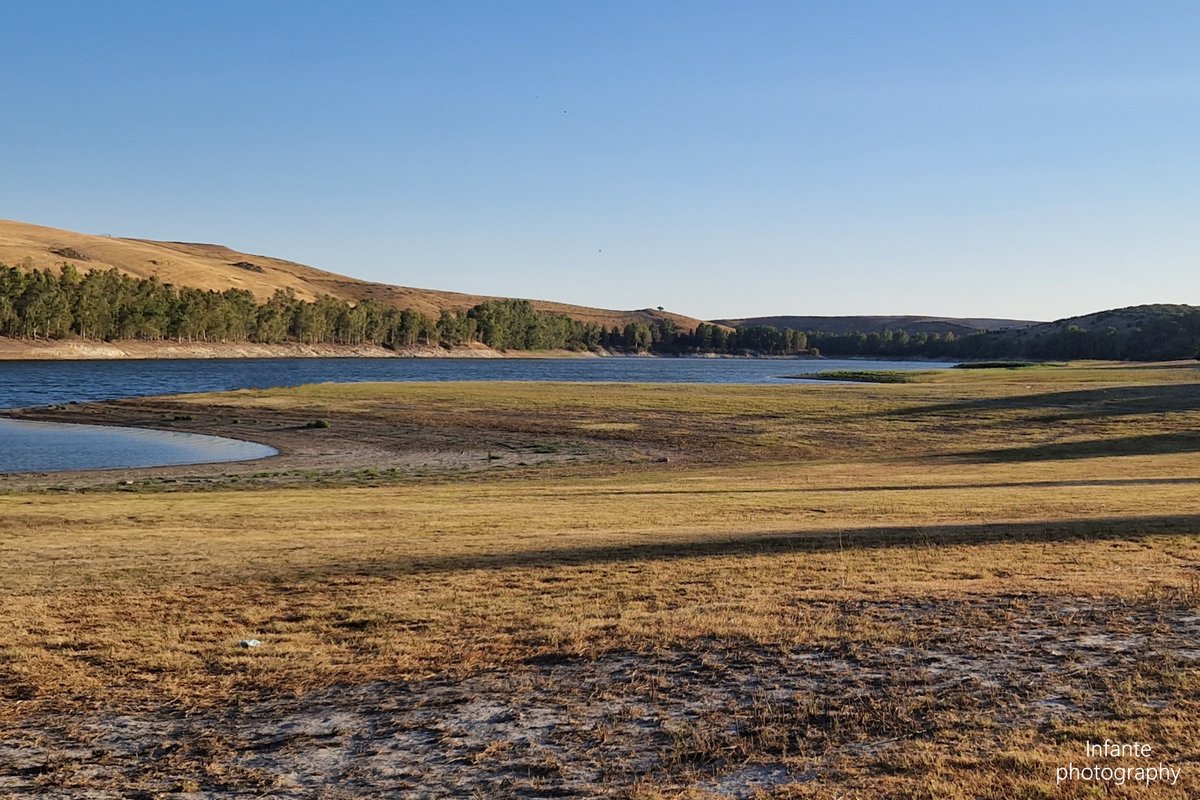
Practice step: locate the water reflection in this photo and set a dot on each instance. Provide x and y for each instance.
(52, 446)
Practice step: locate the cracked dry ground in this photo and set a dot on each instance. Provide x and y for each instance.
(717, 717)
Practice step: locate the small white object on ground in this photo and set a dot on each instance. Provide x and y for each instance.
(250, 643)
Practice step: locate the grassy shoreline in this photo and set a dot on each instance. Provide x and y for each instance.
(940, 588)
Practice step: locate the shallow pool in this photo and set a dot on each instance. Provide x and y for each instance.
(54, 446)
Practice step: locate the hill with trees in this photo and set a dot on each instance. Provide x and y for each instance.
(911, 325)
(95, 288)
(218, 268)
(110, 305)
(1136, 333)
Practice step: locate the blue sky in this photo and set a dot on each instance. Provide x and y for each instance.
(721, 159)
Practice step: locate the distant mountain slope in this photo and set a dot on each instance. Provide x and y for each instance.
(211, 266)
(1137, 333)
(877, 324)
(1122, 320)
(1160, 330)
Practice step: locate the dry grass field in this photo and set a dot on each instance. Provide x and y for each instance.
(936, 589)
(214, 266)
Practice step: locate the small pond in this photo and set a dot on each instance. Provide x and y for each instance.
(52, 446)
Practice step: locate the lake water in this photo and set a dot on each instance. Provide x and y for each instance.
(35, 383)
(52, 446)
(43, 447)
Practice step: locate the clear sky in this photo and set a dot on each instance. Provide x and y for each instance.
(1019, 159)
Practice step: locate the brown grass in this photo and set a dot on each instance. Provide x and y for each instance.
(938, 589)
(211, 266)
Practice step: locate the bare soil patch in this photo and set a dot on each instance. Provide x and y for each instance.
(322, 445)
(725, 718)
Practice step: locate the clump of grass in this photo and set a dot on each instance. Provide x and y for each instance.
(994, 365)
(863, 376)
(317, 423)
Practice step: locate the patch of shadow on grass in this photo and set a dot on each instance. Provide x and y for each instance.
(1075, 404)
(1115, 483)
(781, 543)
(1144, 445)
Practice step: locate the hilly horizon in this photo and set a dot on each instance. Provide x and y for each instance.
(217, 267)
(878, 323)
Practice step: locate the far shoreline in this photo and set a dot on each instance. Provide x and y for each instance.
(134, 349)
(140, 350)
(86, 350)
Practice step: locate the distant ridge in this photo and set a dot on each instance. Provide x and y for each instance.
(1119, 319)
(1161, 332)
(214, 266)
(1130, 320)
(878, 324)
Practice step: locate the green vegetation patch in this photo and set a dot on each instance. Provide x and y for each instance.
(867, 376)
(996, 365)
(107, 305)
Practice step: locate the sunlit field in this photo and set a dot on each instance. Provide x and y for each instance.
(940, 588)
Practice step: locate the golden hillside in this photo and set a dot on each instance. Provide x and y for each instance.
(212, 266)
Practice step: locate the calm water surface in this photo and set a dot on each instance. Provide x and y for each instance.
(33, 383)
(42, 447)
(52, 446)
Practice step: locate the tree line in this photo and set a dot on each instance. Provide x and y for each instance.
(109, 305)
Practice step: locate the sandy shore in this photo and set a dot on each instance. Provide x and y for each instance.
(81, 350)
(423, 443)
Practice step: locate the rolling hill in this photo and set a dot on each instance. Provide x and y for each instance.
(1121, 320)
(1160, 332)
(878, 324)
(1140, 332)
(212, 266)
(1144, 332)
